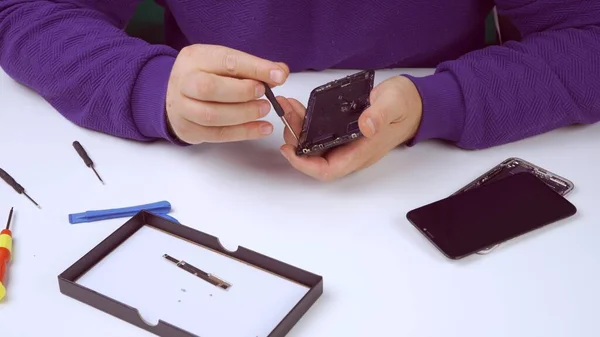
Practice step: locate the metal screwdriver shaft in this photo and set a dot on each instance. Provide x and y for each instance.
(9, 218)
(86, 159)
(278, 108)
(11, 181)
(97, 175)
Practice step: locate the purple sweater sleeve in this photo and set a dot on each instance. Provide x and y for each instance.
(501, 94)
(76, 55)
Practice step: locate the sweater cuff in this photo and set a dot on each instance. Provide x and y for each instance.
(148, 100)
(443, 108)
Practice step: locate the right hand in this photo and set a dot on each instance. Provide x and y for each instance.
(213, 92)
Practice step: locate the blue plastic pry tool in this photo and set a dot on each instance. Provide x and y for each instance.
(161, 207)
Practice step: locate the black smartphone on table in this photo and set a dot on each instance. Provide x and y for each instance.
(513, 165)
(469, 222)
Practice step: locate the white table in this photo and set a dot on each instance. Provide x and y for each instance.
(381, 277)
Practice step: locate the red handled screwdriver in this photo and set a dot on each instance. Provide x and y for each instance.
(5, 253)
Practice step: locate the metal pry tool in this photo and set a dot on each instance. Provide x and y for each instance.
(86, 159)
(278, 108)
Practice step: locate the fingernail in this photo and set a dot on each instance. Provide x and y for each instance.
(266, 129)
(277, 76)
(283, 154)
(370, 124)
(264, 109)
(259, 91)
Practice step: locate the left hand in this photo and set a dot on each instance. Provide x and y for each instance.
(392, 119)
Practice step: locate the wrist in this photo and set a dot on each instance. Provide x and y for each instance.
(171, 131)
(148, 100)
(413, 105)
(442, 108)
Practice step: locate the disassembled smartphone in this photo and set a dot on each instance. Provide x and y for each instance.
(512, 166)
(333, 111)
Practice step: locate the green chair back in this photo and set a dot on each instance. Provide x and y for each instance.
(148, 23)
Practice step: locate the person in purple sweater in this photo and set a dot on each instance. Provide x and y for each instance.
(203, 84)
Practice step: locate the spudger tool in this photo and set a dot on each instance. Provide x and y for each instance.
(160, 208)
(10, 181)
(86, 159)
(278, 108)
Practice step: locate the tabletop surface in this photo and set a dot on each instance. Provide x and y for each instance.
(381, 277)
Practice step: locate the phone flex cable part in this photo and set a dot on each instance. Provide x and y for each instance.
(216, 281)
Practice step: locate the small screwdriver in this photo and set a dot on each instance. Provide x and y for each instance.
(278, 108)
(9, 180)
(86, 159)
(5, 253)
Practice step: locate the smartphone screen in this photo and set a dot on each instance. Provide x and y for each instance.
(469, 222)
(515, 165)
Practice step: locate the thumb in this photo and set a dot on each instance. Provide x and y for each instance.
(383, 111)
(285, 67)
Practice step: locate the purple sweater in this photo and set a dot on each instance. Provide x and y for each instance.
(76, 55)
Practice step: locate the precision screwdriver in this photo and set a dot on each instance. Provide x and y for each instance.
(278, 108)
(86, 159)
(5, 253)
(9, 180)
